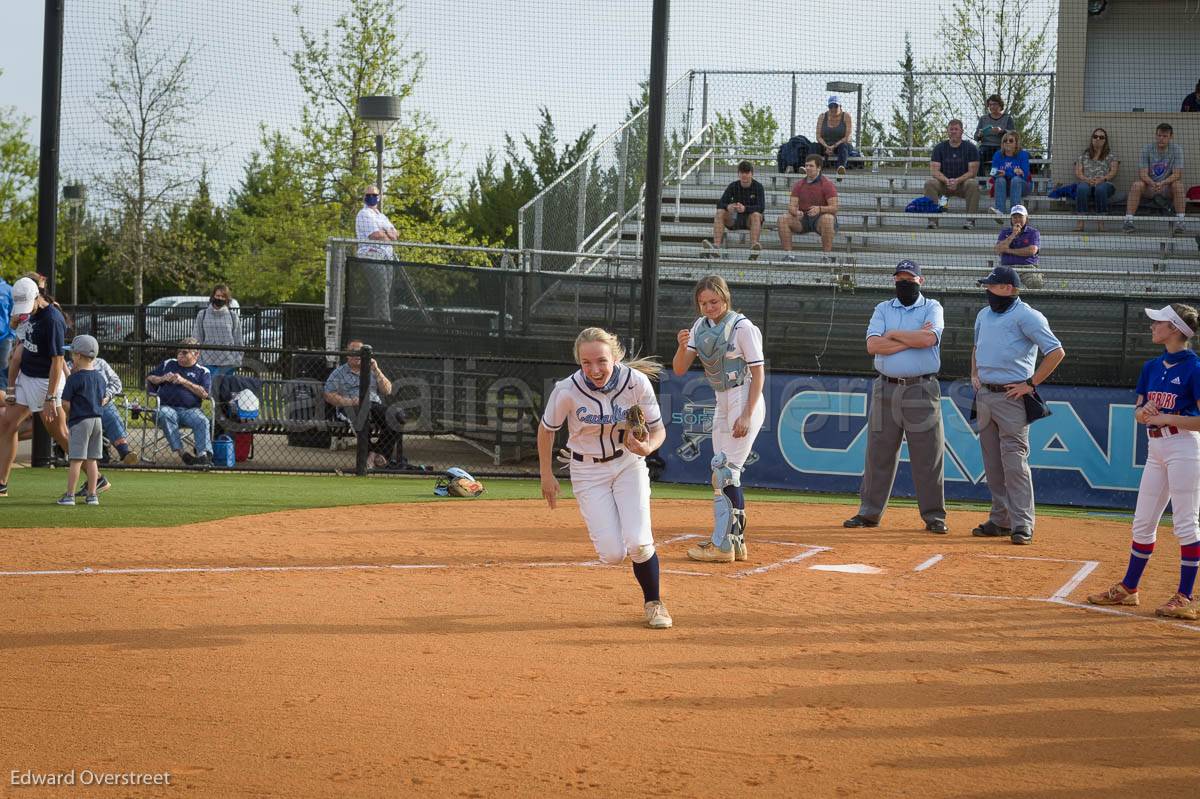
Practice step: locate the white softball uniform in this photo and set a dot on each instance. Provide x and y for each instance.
(745, 344)
(611, 484)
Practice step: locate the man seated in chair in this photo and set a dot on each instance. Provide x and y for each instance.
(386, 424)
(182, 385)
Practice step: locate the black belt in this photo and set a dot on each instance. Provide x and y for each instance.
(908, 381)
(1159, 432)
(999, 388)
(593, 459)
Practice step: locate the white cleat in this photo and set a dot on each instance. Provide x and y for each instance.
(657, 617)
(710, 553)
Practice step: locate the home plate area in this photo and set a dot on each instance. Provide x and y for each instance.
(974, 575)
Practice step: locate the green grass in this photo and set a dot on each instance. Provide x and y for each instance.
(152, 499)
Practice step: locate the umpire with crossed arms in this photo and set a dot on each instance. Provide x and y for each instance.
(1008, 334)
(905, 337)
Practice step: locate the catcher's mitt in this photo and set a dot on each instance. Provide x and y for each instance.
(457, 483)
(635, 423)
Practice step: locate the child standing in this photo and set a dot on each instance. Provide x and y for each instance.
(84, 394)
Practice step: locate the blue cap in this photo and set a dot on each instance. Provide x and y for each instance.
(1002, 275)
(908, 266)
(833, 100)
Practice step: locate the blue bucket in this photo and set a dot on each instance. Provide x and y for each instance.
(223, 454)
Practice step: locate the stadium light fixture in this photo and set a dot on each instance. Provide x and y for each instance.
(380, 112)
(75, 195)
(844, 87)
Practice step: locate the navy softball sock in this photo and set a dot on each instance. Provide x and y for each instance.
(736, 497)
(1139, 556)
(1189, 561)
(647, 577)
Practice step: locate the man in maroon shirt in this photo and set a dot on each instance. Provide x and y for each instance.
(811, 209)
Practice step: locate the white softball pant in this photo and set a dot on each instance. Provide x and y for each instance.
(730, 405)
(614, 499)
(1172, 473)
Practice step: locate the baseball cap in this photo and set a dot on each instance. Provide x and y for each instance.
(1000, 276)
(24, 294)
(908, 266)
(833, 100)
(86, 346)
(1019, 209)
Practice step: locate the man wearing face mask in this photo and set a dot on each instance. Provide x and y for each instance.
(1008, 334)
(218, 323)
(372, 226)
(905, 337)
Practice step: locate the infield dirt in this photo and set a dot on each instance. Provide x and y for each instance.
(508, 665)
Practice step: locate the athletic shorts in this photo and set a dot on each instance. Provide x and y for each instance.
(31, 391)
(808, 224)
(86, 440)
(740, 221)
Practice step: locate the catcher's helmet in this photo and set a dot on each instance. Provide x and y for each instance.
(457, 483)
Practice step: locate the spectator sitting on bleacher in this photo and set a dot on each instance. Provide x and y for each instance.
(182, 385)
(1095, 170)
(834, 129)
(110, 420)
(812, 208)
(341, 391)
(1010, 169)
(740, 208)
(991, 128)
(1160, 178)
(954, 166)
(1192, 101)
(1018, 246)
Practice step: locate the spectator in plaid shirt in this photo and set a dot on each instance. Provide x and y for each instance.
(386, 424)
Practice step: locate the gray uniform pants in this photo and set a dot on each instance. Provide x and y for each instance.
(913, 412)
(1004, 439)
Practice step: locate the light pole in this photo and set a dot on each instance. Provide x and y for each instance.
(75, 195)
(380, 112)
(842, 87)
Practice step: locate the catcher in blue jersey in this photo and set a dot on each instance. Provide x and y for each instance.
(729, 347)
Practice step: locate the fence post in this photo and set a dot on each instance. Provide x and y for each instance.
(139, 335)
(622, 176)
(793, 104)
(362, 415)
(1050, 131)
(539, 217)
(704, 103)
(581, 206)
(688, 126)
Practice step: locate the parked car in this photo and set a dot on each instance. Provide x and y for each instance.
(169, 319)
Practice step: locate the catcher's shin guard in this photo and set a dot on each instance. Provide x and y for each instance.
(725, 516)
(738, 535)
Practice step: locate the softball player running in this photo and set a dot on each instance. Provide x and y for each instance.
(608, 466)
(1168, 399)
(729, 347)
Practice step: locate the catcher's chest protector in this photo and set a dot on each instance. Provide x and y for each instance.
(714, 347)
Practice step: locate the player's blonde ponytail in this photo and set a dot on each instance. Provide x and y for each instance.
(650, 367)
(1189, 315)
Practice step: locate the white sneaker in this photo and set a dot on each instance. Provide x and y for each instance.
(708, 552)
(657, 616)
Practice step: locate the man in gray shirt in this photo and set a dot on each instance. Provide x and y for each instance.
(1160, 178)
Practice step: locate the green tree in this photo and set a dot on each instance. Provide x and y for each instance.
(913, 104)
(145, 108)
(495, 196)
(18, 195)
(751, 126)
(980, 37)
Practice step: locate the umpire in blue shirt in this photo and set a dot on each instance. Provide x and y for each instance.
(905, 336)
(1008, 334)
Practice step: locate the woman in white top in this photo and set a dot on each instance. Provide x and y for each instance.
(608, 467)
(729, 347)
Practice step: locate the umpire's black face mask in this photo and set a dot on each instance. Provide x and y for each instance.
(907, 291)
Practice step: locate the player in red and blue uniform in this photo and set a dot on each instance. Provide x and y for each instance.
(1168, 399)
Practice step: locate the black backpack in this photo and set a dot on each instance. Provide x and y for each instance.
(792, 153)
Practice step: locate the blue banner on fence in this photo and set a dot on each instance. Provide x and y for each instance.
(1089, 452)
